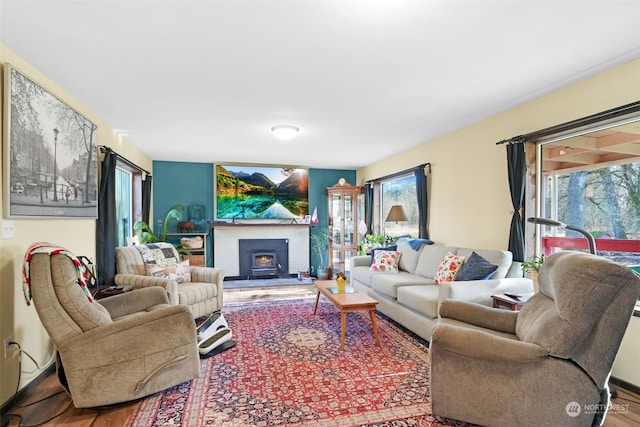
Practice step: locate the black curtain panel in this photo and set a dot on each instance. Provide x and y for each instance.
(517, 167)
(146, 198)
(368, 207)
(421, 189)
(106, 238)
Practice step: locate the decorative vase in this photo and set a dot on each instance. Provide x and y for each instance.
(323, 273)
(342, 284)
(534, 278)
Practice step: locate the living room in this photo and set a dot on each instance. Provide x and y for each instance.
(459, 158)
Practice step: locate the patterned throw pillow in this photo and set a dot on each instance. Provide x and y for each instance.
(385, 261)
(180, 272)
(448, 268)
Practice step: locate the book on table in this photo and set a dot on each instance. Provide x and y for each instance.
(347, 290)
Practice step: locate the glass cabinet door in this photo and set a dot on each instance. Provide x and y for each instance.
(343, 223)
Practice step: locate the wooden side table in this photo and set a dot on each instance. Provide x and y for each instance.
(506, 301)
(111, 291)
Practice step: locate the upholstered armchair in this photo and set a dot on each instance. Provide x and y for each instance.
(117, 349)
(202, 292)
(547, 365)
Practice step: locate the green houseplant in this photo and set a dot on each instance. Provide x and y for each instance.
(146, 234)
(319, 242)
(532, 266)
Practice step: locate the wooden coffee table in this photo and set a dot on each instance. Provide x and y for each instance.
(346, 303)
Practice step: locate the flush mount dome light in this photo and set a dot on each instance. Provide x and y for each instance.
(285, 131)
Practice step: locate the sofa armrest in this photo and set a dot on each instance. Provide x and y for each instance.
(137, 281)
(134, 301)
(207, 275)
(480, 291)
(480, 315)
(361, 261)
(478, 344)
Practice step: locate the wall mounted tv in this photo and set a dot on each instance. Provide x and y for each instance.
(257, 192)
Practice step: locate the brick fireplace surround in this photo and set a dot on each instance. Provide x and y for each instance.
(226, 239)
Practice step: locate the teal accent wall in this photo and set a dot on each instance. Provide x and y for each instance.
(184, 183)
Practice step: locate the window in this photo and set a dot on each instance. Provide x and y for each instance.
(128, 200)
(591, 179)
(399, 191)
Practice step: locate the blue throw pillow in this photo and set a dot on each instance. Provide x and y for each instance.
(388, 248)
(476, 268)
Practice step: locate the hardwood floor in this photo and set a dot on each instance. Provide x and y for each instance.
(48, 405)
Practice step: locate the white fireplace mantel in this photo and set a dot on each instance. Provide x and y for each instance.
(227, 236)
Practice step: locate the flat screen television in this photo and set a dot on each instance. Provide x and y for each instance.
(260, 192)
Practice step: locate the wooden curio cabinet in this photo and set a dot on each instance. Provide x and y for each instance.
(343, 225)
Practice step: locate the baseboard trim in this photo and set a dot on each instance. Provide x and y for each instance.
(625, 385)
(11, 403)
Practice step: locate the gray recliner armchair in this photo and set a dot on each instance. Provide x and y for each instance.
(547, 365)
(202, 294)
(117, 349)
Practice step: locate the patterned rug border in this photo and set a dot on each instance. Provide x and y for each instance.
(416, 415)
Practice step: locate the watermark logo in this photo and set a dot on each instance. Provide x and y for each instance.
(573, 409)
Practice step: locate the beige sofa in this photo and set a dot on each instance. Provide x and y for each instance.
(410, 296)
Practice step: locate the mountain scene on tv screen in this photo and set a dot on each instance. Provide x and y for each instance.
(261, 192)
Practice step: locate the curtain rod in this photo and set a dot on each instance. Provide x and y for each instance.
(634, 107)
(105, 149)
(393, 175)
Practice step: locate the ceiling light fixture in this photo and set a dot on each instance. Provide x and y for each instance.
(285, 132)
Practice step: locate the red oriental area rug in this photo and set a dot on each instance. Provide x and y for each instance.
(287, 370)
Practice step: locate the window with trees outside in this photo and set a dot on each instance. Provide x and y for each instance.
(399, 191)
(128, 200)
(592, 181)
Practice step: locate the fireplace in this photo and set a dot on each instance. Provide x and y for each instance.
(264, 263)
(263, 258)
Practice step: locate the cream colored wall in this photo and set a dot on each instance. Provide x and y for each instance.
(469, 201)
(78, 235)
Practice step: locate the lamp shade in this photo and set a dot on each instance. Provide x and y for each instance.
(285, 132)
(397, 213)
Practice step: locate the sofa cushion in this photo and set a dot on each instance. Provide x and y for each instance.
(476, 268)
(430, 259)
(388, 284)
(423, 299)
(408, 256)
(385, 261)
(448, 268)
(180, 271)
(382, 248)
(500, 258)
(363, 274)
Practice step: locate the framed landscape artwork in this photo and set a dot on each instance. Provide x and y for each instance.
(50, 154)
(254, 192)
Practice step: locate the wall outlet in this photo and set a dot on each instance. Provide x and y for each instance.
(8, 229)
(9, 349)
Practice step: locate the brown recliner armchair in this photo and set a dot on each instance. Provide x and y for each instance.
(202, 294)
(113, 350)
(547, 365)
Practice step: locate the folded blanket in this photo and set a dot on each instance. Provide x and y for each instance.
(416, 243)
(51, 249)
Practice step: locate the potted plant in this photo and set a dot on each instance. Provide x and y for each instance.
(319, 241)
(532, 266)
(146, 234)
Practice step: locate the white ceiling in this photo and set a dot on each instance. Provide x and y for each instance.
(203, 81)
